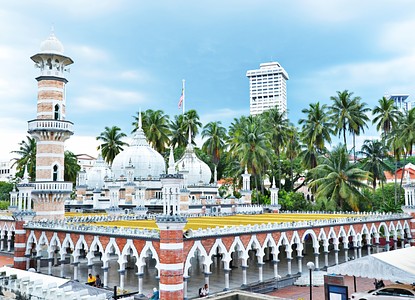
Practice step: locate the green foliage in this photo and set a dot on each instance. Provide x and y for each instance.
(293, 201)
(4, 205)
(259, 198)
(384, 199)
(5, 189)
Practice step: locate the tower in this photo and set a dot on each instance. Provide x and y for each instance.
(50, 130)
(267, 88)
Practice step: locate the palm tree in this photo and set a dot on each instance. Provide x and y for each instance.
(191, 121)
(178, 137)
(317, 128)
(374, 152)
(71, 167)
(215, 136)
(156, 126)
(112, 143)
(357, 126)
(277, 125)
(250, 146)
(338, 180)
(386, 115)
(27, 159)
(292, 149)
(342, 112)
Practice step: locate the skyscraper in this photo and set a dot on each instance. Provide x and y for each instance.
(267, 88)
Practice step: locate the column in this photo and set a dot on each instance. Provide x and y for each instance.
(207, 274)
(9, 241)
(38, 263)
(244, 279)
(2, 243)
(105, 276)
(356, 255)
(300, 264)
(171, 256)
(276, 269)
(346, 254)
(368, 249)
(359, 251)
(289, 271)
(122, 277)
(395, 244)
(28, 257)
(90, 269)
(226, 271)
(260, 270)
(316, 261)
(185, 279)
(377, 247)
(50, 261)
(75, 270)
(62, 268)
(140, 284)
(326, 259)
(336, 256)
(20, 259)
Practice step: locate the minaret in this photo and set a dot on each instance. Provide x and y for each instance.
(51, 130)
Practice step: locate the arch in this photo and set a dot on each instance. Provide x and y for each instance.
(111, 245)
(255, 244)
(148, 247)
(81, 242)
(67, 243)
(54, 244)
(96, 243)
(43, 240)
(385, 228)
(313, 236)
(196, 246)
(55, 173)
(126, 251)
(30, 240)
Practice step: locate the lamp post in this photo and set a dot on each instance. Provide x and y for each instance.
(310, 266)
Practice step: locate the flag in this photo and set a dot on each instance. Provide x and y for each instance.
(181, 99)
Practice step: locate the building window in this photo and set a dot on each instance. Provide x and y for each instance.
(57, 112)
(55, 173)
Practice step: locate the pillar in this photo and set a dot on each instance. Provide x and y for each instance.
(336, 256)
(316, 261)
(185, 279)
(9, 241)
(276, 269)
(260, 271)
(62, 268)
(50, 261)
(326, 259)
(122, 277)
(289, 271)
(75, 270)
(20, 260)
(38, 258)
(346, 254)
(90, 269)
(140, 284)
(300, 264)
(244, 279)
(2, 243)
(377, 247)
(105, 270)
(359, 251)
(227, 271)
(171, 256)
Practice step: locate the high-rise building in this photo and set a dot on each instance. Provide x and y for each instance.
(401, 101)
(267, 88)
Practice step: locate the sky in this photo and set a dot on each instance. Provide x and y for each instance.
(130, 55)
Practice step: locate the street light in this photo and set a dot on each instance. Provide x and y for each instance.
(310, 266)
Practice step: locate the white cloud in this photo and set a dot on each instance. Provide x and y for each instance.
(81, 144)
(87, 53)
(103, 98)
(397, 37)
(226, 115)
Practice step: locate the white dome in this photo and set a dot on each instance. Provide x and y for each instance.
(97, 174)
(198, 171)
(51, 45)
(145, 160)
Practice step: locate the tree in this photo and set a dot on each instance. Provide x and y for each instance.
(156, 127)
(71, 167)
(386, 115)
(374, 153)
(5, 189)
(215, 136)
(191, 121)
(342, 113)
(358, 124)
(27, 159)
(338, 180)
(178, 137)
(112, 143)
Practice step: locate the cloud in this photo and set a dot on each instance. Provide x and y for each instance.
(82, 144)
(225, 115)
(87, 53)
(102, 98)
(397, 37)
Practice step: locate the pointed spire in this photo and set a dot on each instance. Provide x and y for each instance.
(140, 120)
(189, 142)
(171, 168)
(25, 175)
(273, 182)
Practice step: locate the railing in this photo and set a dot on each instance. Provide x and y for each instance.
(54, 186)
(55, 125)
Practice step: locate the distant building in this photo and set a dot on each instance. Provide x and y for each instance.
(267, 88)
(7, 170)
(401, 101)
(85, 161)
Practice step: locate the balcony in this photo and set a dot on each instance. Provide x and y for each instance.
(53, 187)
(50, 125)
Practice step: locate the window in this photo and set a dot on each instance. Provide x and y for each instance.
(57, 112)
(55, 173)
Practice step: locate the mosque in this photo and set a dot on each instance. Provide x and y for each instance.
(164, 227)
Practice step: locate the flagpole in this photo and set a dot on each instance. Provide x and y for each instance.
(183, 81)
